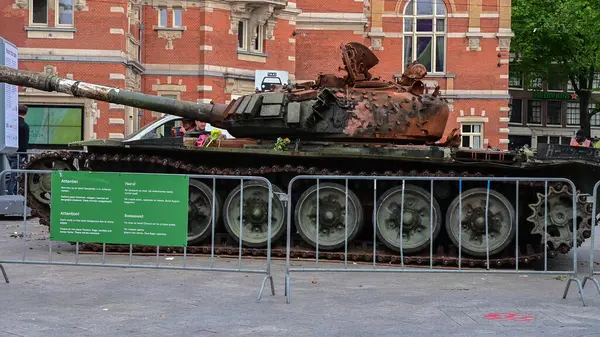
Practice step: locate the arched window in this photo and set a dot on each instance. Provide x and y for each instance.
(425, 34)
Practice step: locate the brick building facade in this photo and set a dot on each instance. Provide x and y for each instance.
(203, 50)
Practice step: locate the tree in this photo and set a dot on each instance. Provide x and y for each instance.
(559, 38)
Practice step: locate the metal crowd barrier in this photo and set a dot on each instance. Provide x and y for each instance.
(266, 270)
(572, 272)
(592, 270)
(6, 181)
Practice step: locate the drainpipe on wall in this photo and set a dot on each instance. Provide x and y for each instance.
(141, 32)
(140, 60)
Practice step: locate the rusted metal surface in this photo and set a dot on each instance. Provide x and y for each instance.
(358, 60)
(383, 109)
(303, 95)
(397, 115)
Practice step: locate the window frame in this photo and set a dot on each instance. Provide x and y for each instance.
(594, 120)
(560, 112)
(520, 108)
(57, 15)
(160, 23)
(573, 106)
(248, 47)
(413, 34)
(244, 34)
(472, 134)
(549, 80)
(529, 111)
(175, 11)
(535, 78)
(33, 24)
(517, 76)
(260, 39)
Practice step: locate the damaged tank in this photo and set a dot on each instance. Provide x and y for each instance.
(352, 125)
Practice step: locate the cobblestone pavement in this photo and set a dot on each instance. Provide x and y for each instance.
(66, 300)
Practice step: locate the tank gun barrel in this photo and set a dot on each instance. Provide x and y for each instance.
(209, 113)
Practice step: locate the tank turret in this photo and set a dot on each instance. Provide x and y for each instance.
(354, 107)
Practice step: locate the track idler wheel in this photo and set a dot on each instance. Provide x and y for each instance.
(331, 216)
(500, 217)
(411, 212)
(254, 214)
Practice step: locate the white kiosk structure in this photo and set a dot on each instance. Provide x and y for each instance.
(9, 128)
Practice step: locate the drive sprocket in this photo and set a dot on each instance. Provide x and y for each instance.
(560, 217)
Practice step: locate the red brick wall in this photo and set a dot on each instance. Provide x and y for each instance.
(483, 108)
(92, 32)
(314, 51)
(224, 45)
(475, 70)
(186, 50)
(319, 51)
(336, 6)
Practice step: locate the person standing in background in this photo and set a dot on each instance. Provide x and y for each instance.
(17, 160)
(580, 139)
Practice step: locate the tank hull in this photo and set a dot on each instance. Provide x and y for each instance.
(252, 158)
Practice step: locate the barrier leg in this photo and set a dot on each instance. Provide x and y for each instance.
(591, 278)
(287, 288)
(262, 287)
(579, 286)
(4, 273)
(272, 285)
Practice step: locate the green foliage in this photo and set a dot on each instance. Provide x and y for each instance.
(563, 33)
(561, 39)
(281, 144)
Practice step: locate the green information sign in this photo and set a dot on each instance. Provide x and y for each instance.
(119, 208)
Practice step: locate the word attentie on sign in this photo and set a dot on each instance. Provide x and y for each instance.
(119, 208)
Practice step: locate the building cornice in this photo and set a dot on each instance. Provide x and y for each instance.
(200, 71)
(79, 56)
(332, 21)
(332, 18)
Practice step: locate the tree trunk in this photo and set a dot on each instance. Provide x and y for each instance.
(584, 115)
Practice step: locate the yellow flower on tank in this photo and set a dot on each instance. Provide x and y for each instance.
(214, 135)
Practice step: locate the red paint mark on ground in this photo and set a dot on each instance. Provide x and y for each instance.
(507, 316)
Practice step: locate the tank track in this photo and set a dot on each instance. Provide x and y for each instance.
(357, 250)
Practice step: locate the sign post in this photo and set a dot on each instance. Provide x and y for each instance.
(9, 128)
(9, 101)
(119, 208)
(264, 80)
